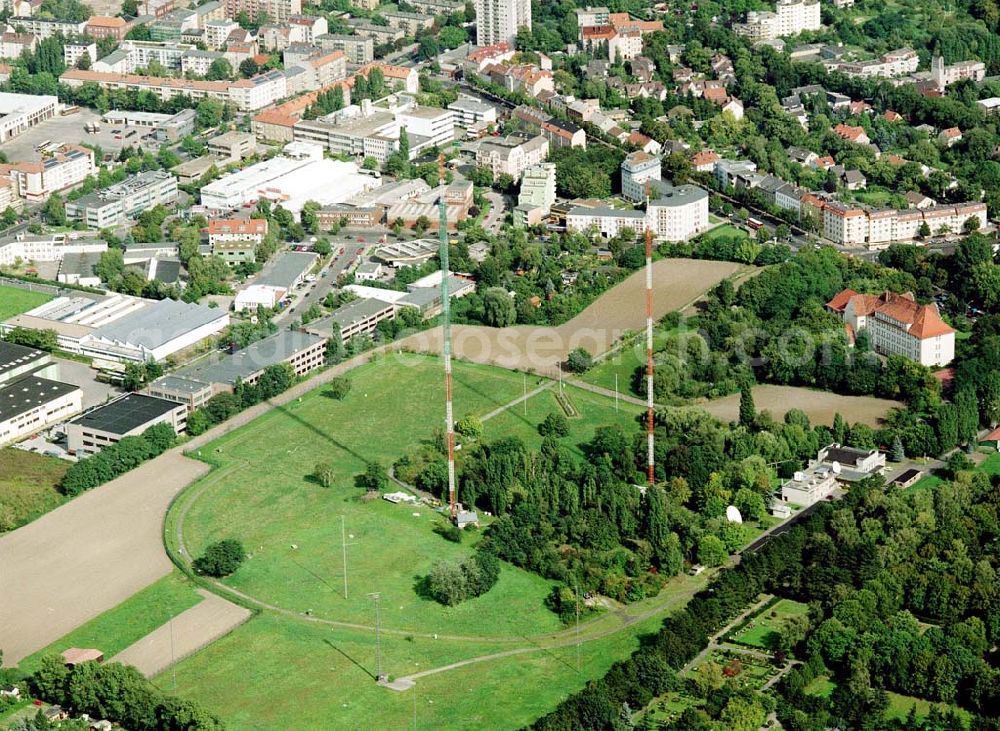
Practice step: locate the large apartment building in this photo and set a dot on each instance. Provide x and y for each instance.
(897, 325)
(279, 11)
(511, 155)
(790, 17)
(497, 21)
(852, 225)
(639, 170)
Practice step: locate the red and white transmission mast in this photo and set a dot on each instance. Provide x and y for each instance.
(449, 420)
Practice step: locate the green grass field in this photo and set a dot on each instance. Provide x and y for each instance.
(265, 498)
(820, 687)
(28, 486)
(900, 705)
(131, 620)
(14, 301)
(594, 410)
(320, 674)
(991, 465)
(769, 621)
(623, 362)
(726, 229)
(323, 678)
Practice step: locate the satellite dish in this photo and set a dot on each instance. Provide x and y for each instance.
(799, 476)
(835, 467)
(733, 514)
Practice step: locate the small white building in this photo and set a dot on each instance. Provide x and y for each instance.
(257, 295)
(807, 488)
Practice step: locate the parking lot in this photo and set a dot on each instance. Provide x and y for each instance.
(69, 129)
(82, 375)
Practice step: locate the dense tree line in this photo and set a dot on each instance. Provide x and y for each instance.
(117, 459)
(118, 693)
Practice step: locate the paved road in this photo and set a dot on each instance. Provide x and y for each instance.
(497, 212)
(315, 292)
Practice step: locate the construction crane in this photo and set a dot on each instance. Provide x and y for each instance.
(449, 420)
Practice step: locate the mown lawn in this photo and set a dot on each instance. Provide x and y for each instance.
(622, 363)
(322, 677)
(594, 410)
(28, 486)
(263, 495)
(131, 620)
(769, 622)
(15, 301)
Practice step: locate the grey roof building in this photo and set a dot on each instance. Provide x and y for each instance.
(287, 269)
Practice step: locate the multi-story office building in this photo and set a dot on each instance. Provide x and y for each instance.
(511, 155)
(537, 194)
(124, 201)
(67, 167)
(497, 21)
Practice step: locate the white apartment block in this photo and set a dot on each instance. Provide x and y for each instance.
(277, 11)
(43, 28)
(199, 62)
(73, 51)
(36, 181)
(853, 226)
(678, 213)
(537, 194)
(790, 17)
(497, 21)
(944, 76)
(247, 95)
(511, 156)
(894, 63)
(217, 31)
(637, 169)
(609, 222)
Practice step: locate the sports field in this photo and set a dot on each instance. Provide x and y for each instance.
(28, 486)
(14, 301)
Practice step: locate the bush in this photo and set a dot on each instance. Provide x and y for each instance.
(470, 427)
(339, 388)
(374, 478)
(323, 473)
(555, 425)
(221, 558)
(452, 582)
(579, 361)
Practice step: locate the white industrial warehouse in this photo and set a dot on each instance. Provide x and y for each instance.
(299, 175)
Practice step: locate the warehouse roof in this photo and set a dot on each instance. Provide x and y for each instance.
(16, 356)
(28, 393)
(267, 352)
(158, 323)
(126, 413)
(286, 269)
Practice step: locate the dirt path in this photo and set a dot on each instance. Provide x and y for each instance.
(187, 633)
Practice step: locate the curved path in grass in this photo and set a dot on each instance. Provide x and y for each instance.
(92, 553)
